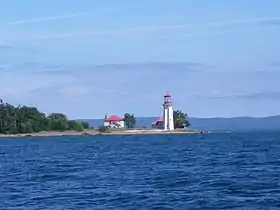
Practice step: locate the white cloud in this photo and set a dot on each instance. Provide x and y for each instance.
(12, 92)
(16, 86)
(138, 91)
(47, 18)
(74, 91)
(114, 31)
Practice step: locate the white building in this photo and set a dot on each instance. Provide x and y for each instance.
(113, 122)
(168, 113)
(166, 122)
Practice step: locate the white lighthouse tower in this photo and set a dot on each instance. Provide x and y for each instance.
(168, 113)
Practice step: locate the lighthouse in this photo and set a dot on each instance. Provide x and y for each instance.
(168, 113)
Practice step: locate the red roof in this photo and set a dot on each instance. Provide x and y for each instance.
(159, 120)
(113, 118)
(167, 94)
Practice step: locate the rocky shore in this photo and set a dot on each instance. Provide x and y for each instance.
(94, 132)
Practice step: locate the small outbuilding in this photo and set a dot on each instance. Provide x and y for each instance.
(158, 124)
(113, 121)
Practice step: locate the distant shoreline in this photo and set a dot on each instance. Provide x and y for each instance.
(97, 133)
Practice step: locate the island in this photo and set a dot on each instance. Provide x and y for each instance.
(18, 121)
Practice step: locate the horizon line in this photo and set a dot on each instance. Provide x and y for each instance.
(192, 117)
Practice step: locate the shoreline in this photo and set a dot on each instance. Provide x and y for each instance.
(97, 133)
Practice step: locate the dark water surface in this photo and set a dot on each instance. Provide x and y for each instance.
(219, 171)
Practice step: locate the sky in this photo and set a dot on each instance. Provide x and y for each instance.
(89, 58)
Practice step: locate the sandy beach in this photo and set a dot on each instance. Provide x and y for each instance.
(94, 132)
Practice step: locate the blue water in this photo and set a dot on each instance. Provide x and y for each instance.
(217, 171)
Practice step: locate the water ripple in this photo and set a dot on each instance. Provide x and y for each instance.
(240, 171)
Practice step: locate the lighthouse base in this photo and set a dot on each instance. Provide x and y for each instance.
(168, 118)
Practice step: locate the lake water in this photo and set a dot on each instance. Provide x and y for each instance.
(214, 171)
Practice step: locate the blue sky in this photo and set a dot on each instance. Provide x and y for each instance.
(87, 58)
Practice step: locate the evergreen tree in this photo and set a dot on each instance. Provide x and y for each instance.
(180, 119)
(129, 120)
(23, 119)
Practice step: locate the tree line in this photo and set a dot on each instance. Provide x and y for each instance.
(24, 119)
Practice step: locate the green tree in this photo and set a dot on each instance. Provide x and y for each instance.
(77, 126)
(23, 119)
(58, 122)
(180, 119)
(85, 125)
(129, 120)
